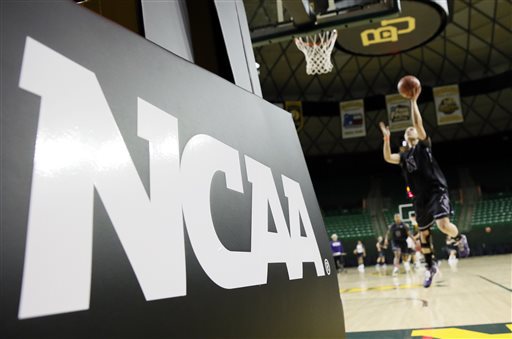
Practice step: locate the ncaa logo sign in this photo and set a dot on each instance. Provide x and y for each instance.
(80, 150)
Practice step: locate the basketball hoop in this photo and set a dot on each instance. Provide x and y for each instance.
(317, 49)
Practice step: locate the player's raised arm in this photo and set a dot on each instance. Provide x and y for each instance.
(392, 158)
(417, 121)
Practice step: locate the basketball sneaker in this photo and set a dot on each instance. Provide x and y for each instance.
(429, 276)
(463, 246)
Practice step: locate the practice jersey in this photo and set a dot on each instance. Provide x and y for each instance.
(421, 171)
(398, 231)
(336, 247)
(359, 249)
(410, 243)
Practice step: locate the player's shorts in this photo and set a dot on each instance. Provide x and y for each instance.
(359, 255)
(434, 206)
(381, 254)
(410, 246)
(400, 245)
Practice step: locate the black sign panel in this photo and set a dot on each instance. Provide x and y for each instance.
(143, 196)
(417, 24)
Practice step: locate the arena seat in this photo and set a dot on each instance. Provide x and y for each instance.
(492, 211)
(350, 225)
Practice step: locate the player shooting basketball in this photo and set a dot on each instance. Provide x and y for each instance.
(426, 181)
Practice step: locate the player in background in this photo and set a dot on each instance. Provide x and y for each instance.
(337, 253)
(399, 232)
(360, 253)
(451, 251)
(381, 256)
(411, 249)
(428, 185)
(414, 229)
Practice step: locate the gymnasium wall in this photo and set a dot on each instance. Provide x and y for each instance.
(484, 115)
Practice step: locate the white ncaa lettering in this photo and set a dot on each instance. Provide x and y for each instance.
(79, 148)
(202, 157)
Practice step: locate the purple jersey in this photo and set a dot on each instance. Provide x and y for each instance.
(336, 247)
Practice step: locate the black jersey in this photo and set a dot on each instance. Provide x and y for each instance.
(398, 232)
(381, 243)
(421, 171)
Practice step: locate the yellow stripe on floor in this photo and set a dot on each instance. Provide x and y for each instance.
(445, 333)
(379, 288)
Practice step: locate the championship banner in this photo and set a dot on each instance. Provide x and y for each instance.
(399, 112)
(352, 119)
(295, 108)
(448, 105)
(131, 206)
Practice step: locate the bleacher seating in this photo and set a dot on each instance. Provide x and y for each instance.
(359, 225)
(493, 211)
(350, 225)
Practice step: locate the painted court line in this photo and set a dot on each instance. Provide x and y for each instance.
(486, 331)
(495, 283)
(379, 288)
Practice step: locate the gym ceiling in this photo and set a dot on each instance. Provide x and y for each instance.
(474, 50)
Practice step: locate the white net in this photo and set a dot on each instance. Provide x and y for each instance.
(317, 49)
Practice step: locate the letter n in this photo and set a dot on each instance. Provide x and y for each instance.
(78, 148)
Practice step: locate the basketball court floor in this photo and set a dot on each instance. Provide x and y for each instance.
(471, 300)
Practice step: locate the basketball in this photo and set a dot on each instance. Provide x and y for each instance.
(407, 84)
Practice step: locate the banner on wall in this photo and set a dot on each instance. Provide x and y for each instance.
(448, 105)
(295, 108)
(399, 112)
(352, 119)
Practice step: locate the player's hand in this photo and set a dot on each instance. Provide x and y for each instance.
(416, 93)
(384, 129)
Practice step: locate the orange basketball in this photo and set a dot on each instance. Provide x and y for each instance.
(407, 84)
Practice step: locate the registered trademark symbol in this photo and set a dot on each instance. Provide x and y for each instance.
(327, 267)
